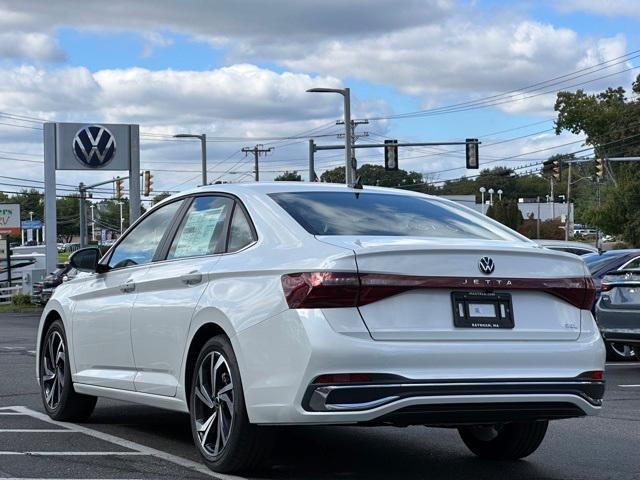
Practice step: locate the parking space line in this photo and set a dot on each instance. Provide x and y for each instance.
(630, 386)
(36, 430)
(73, 454)
(137, 447)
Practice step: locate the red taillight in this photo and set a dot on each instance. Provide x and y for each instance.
(350, 289)
(321, 289)
(597, 375)
(343, 378)
(605, 286)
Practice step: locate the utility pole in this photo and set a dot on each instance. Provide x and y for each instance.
(538, 220)
(553, 207)
(121, 218)
(312, 166)
(257, 151)
(93, 223)
(83, 215)
(567, 222)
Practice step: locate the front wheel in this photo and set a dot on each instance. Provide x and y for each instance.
(509, 441)
(219, 422)
(58, 396)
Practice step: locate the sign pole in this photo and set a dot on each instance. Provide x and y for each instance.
(134, 173)
(50, 233)
(8, 261)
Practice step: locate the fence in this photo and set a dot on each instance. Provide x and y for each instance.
(6, 293)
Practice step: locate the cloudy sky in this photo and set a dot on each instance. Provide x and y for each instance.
(420, 70)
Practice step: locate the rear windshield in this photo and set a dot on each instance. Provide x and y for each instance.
(346, 213)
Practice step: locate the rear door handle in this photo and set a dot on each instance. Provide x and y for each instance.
(191, 278)
(128, 287)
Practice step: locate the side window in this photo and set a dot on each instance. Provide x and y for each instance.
(139, 246)
(633, 264)
(202, 229)
(240, 233)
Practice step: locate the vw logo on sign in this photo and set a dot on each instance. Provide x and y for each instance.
(486, 265)
(94, 146)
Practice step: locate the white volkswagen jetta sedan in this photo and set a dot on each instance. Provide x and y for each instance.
(256, 305)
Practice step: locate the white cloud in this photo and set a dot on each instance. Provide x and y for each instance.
(31, 45)
(617, 8)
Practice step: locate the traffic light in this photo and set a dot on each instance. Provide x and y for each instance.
(147, 183)
(599, 167)
(391, 155)
(557, 170)
(472, 153)
(547, 168)
(119, 189)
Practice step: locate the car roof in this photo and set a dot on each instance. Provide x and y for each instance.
(282, 187)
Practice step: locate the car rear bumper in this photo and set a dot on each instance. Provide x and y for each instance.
(364, 396)
(437, 382)
(621, 335)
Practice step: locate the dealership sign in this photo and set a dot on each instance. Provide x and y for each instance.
(93, 146)
(10, 219)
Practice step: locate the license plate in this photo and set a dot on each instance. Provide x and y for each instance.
(482, 310)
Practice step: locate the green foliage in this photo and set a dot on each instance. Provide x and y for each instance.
(506, 211)
(161, 196)
(549, 229)
(610, 122)
(288, 176)
(375, 175)
(20, 300)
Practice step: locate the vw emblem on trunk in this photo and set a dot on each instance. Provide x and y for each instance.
(486, 265)
(94, 146)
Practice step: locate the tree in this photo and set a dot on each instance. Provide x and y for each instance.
(506, 211)
(68, 217)
(376, 175)
(30, 201)
(288, 176)
(161, 196)
(609, 121)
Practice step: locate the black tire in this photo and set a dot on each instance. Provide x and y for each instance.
(247, 446)
(615, 352)
(60, 400)
(509, 441)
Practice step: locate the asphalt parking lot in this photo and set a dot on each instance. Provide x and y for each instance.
(130, 441)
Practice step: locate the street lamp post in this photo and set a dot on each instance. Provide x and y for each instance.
(482, 190)
(121, 218)
(491, 196)
(93, 223)
(500, 192)
(350, 174)
(203, 144)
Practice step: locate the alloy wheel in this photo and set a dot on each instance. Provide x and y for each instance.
(624, 351)
(53, 367)
(214, 410)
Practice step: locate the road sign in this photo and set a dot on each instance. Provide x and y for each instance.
(10, 219)
(31, 224)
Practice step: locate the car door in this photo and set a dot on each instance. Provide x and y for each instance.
(171, 289)
(101, 316)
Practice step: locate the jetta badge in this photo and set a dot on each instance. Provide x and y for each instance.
(94, 146)
(486, 265)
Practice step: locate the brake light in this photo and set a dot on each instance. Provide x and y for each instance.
(350, 289)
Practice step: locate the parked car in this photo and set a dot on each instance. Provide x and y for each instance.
(618, 309)
(600, 265)
(257, 305)
(577, 248)
(42, 291)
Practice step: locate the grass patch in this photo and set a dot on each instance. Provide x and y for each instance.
(9, 308)
(63, 257)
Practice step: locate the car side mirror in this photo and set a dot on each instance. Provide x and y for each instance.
(86, 260)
